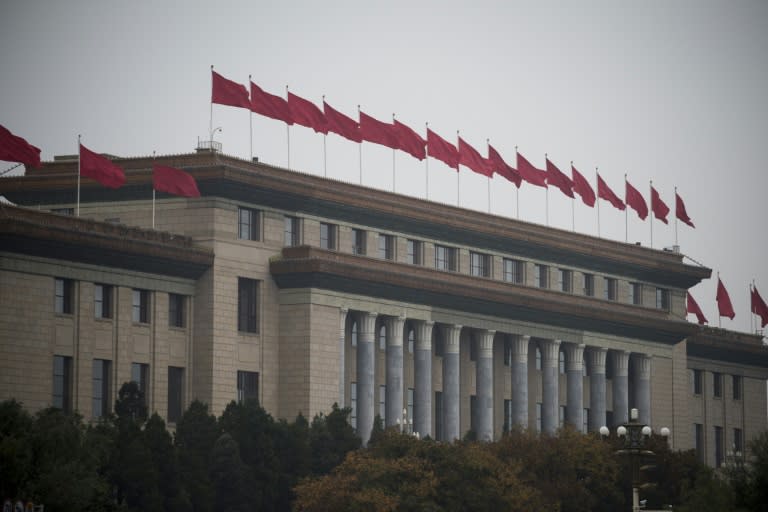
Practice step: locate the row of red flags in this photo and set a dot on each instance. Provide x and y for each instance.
(396, 135)
(725, 307)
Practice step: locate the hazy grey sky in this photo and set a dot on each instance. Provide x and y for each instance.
(673, 91)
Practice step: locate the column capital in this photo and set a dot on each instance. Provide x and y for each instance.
(452, 335)
(395, 330)
(485, 344)
(519, 346)
(424, 335)
(620, 363)
(368, 323)
(596, 360)
(343, 317)
(574, 360)
(550, 353)
(643, 362)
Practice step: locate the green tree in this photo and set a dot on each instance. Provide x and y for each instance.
(196, 435)
(16, 456)
(232, 481)
(331, 437)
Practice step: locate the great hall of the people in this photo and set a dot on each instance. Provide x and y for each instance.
(303, 292)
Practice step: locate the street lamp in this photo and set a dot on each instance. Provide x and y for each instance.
(405, 425)
(635, 435)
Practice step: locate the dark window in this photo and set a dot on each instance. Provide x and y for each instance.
(247, 224)
(409, 402)
(561, 417)
(609, 418)
(383, 403)
(738, 441)
(717, 385)
(359, 244)
(101, 394)
(589, 285)
(439, 425)
(176, 310)
(472, 349)
(636, 294)
(102, 301)
(382, 337)
(585, 421)
(698, 432)
(538, 416)
(140, 310)
(247, 386)
(718, 446)
(507, 415)
(541, 276)
(662, 299)
(386, 247)
(445, 258)
(514, 271)
(353, 334)
(437, 342)
(737, 384)
(538, 358)
(291, 238)
(697, 382)
(64, 296)
(415, 249)
(327, 236)
(247, 305)
(611, 290)
(472, 412)
(353, 404)
(561, 361)
(62, 383)
(411, 340)
(565, 280)
(507, 353)
(175, 393)
(140, 375)
(479, 264)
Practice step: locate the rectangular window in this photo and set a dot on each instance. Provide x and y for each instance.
(514, 271)
(353, 405)
(697, 382)
(609, 418)
(62, 383)
(415, 251)
(738, 441)
(382, 337)
(140, 375)
(507, 415)
(247, 386)
(409, 403)
(359, 239)
(611, 289)
(64, 295)
(247, 224)
(100, 404)
(140, 310)
(472, 349)
(439, 425)
(175, 393)
(479, 264)
(561, 417)
(176, 310)
(636, 294)
(565, 280)
(472, 412)
(102, 301)
(538, 358)
(291, 234)
(589, 285)
(585, 421)
(445, 258)
(383, 404)
(507, 353)
(538, 416)
(247, 305)
(717, 385)
(718, 446)
(327, 236)
(662, 299)
(540, 276)
(698, 433)
(386, 247)
(737, 384)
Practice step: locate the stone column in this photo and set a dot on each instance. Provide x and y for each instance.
(574, 369)
(484, 386)
(451, 386)
(550, 362)
(366, 364)
(342, 355)
(422, 393)
(519, 367)
(597, 396)
(394, 390)
(620, 386)
(643, 387)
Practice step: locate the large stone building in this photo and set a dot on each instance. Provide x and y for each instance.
(304, 291)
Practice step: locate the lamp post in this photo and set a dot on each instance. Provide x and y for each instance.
(405, 425)
(635, 435)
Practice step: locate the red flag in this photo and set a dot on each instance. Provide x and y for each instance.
(269, 105)
(759, 307)
(660, 209)
(530, 173)
(605, 192)
(724, 306)
(499, 166)
(581, 186)
(227, 92)
(635, 199)
(378, 132)
(693, 308)
(174, 181)
(342, 125)
(680, 211)
(15, 149)
(557, 178)
(410, 141)
(439, 148)
(306, 113)
(469, 157)
(101, 169)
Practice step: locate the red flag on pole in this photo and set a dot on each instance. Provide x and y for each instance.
(174, 181)
(378, 132)
(660, 209)
(635, 199)
(499, 166)
(15, 149)
(342, 125)
(469, 157)
(581, 186)
(724, 306)
(605, 192)
(439, 148)
(306, 113)
(529, 173)
(101, 169)
(410, 141)
(269, 105)
(556, 177)
(227, 92)
(693, 308)
(680, 211)
(759, 307)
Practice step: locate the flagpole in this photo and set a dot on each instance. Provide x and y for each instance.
(79, 155)
(393, 158)
(488, 142)
(546, 197)
(573, 206)
(719, 317)
(325, 154)
(250, 123)
(597, 177)
(517, 194)
(626, 216)
(675, 215)
(361, 150)
(751, 309)
(652, 215)
(153, 192)
(426, 163)
(210, 119)
(288, 130)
